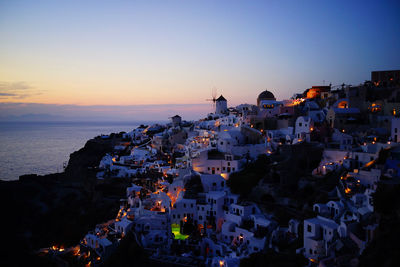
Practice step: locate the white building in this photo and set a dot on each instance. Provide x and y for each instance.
(303, 127)
(395, 132)
(343, 140)
(215, 162)
(319, 233)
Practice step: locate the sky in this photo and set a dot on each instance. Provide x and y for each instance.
(72, 57)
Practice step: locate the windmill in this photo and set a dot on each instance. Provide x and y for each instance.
(214, 97)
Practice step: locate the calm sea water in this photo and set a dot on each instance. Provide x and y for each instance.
(43, 147)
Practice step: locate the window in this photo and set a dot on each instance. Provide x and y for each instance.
(184, 205)
(395, 130)
(173, 216)
(310, 251)
(223, 168)
(229, 164)
(191, 205)
(309, 228)
(200, 217)
(300, 124)
(371, 158)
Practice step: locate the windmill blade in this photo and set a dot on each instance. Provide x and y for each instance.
(214, 93)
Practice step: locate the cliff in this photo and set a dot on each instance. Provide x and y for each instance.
(57, 209)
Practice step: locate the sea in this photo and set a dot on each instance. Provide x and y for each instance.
(44, 147)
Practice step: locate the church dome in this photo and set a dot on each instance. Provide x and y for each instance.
(266, 95)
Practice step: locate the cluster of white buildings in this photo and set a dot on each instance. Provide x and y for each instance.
(189, 207)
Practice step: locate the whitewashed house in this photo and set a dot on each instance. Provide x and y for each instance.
(303, 127)
(319, 233)
(395, 130)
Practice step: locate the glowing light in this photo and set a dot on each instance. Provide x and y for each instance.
(175, 229)
(347, 190)
(370, 163)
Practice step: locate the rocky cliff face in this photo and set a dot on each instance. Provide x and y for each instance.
(57, 209)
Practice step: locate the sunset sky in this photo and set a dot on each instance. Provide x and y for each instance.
(149, 53)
